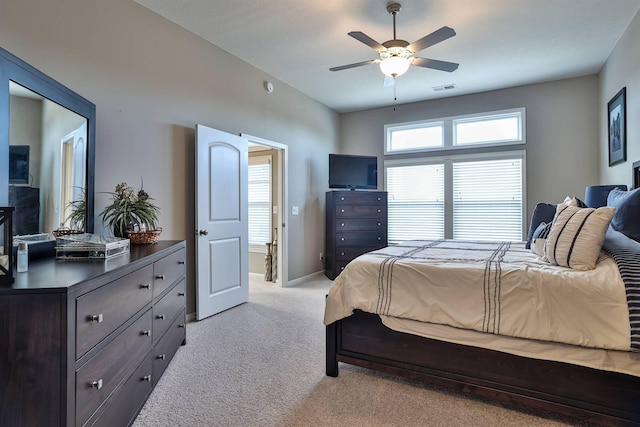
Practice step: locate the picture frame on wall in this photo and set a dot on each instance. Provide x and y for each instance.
(617, 126)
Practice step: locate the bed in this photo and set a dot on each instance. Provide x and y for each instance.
(572, 351)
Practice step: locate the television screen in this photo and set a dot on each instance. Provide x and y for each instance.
(18, 164)
(354, 172)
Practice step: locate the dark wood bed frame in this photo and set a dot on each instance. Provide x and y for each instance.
(603, 397)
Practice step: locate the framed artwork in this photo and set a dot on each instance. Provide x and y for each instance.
(617, 120)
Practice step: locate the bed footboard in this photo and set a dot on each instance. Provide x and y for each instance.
(605, 397)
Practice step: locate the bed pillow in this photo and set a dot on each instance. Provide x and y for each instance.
(574, 201)
(627, 217)
(576, 236)
(543, 212)
(539, 238)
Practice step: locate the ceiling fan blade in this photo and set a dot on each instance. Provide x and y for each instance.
(362, 37)
(388, 81)
(436, 37)
(357, 64)
(435, 64)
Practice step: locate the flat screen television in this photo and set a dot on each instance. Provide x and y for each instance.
(18, 164)
(353, 172)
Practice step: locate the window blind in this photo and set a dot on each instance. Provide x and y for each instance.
(415, 202)
(259, 201)
(488, 200)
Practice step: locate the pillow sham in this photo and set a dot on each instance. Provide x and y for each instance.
(576, 236)
(543, 212)
(627, 217)
(539, 238)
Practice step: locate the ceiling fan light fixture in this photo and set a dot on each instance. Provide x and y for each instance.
(395, 66)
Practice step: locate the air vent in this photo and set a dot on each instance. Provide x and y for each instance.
(445, 87)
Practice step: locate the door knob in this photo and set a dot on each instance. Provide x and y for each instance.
(203, 232)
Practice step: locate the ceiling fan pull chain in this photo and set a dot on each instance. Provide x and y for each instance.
(395, 98)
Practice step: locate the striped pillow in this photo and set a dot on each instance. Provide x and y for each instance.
(576, 236)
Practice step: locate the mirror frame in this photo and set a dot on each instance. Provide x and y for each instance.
(15, 69)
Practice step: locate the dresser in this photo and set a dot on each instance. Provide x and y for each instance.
(84, 342)
(356, 223)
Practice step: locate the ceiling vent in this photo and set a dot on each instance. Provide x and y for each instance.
(445, 87)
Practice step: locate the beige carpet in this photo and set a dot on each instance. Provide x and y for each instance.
(262, 364)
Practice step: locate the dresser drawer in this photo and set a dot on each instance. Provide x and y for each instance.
(122, 410)
(361, 238)
(168, 270)
(165, 310)
(349, 253)
(360, 198)
(100, 312)
(361, 211)
(168, 345)
(97, 378)
(360, 225)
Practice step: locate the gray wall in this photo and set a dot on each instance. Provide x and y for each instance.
(622, 69)
(561, 131)
(152, 81)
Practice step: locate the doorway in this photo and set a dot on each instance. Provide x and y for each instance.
(265, 154)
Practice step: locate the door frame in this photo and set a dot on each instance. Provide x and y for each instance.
(282, 203)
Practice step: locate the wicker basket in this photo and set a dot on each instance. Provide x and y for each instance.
(64, 231)
(144, 237)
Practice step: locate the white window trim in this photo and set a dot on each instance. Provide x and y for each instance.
(448, 160)
(253, 248)
(449, 129)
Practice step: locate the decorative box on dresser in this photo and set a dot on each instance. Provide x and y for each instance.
(356, 223)
(83, 343)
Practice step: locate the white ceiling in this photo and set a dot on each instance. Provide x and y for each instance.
(499, 43)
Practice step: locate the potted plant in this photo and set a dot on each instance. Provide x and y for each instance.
(132, 214)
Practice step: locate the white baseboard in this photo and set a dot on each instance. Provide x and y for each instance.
(306, 278)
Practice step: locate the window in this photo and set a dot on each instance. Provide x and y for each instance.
(498, 128)
(465, 197)
(459, 132)
(487, 200)
(414, 137)
(259, 201)
(415, 202)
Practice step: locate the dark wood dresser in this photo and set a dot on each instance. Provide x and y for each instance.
(84, 342)
(356, 223)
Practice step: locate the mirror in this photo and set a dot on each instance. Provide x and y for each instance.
(46, 153)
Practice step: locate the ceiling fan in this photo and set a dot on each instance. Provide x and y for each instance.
(395, 56)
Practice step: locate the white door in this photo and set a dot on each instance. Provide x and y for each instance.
(222, 271)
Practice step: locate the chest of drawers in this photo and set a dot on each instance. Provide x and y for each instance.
(356, 223)
(84, 342)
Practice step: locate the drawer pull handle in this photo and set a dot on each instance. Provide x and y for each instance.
(342, 198)
(160, 316)
(161, 356)
(342, 238)
(342, 210)
(97, 384)
(379, 238)
(147, 378)
(342, 253)
(147, 333)
(98, 318)
(379, 224)
(342, 224)
(378, 198)
(181, 325)
(378, 210)
(145, 286)
(180, 294)
(160, 277)
(180, 262)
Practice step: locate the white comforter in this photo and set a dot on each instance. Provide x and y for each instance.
(494, 287)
